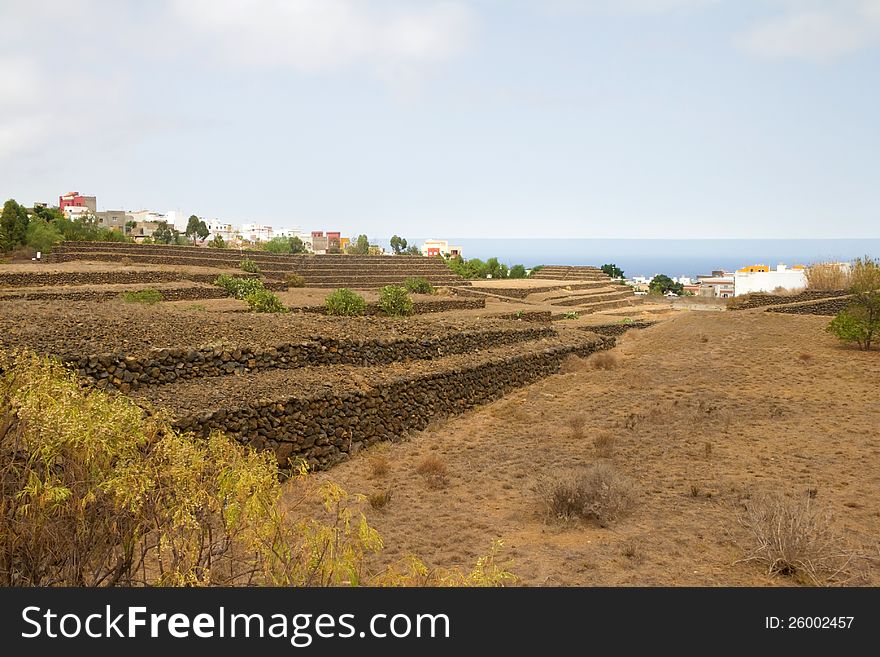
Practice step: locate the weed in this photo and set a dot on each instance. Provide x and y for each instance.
(345, 302)
(598, 494)
(795, 538)
(249, 266)
(379, 500)
(149, 296)
(433, 469)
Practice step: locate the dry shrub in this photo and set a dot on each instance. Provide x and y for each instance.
(603, 360)
(604, 443)
(433, 469)
(632, 550)
(577, 423)
(95, 493)
(805, 358)
(379, 465)
(827, 276)
(379, 500)
(795, 538)
(598, 493)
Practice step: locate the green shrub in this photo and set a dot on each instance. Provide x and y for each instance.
(855, 324)
(345, 302)
(218, 242)
(418, 285)
(264, 301)
(295, 280)
(571, 314)
(149, 296)
(239, 287)
(395, 302)
(249, 266)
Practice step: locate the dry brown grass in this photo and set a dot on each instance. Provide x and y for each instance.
(826, 276)
(603, 360)
(604, 443)
(795, 538)
(572, 364)
(598, 493)
(380, 466)
(379, 500)
(577, 423)
(434, 471)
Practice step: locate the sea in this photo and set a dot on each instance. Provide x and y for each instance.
(673, 257)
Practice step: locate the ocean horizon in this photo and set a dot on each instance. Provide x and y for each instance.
(674, 257)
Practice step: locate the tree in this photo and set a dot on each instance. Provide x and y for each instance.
(361, 246)
(129, 226)
(297, 245)
(398, 244)
(13, 225)
(412, 250)
(46, 213)
(860, 321)
(661, 284)
(218, 242)
(613, 271)
(42, 236)
(278, 245)
(164, 234)
(196, 229)
(517, 271)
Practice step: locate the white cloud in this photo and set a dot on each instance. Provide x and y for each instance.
(322, 35)
(818, 29)
(630, 6)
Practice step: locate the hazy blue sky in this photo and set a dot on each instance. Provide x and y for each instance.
(523, 118)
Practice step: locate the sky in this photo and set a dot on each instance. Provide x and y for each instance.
(453, 118)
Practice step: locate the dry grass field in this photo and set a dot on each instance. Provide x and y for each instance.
(701, 416)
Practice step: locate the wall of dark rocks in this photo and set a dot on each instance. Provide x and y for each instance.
(543, 316)
(126, 373)
(326, 428)
(36, 279)
(617, 329)
(828, 307)
(419, 307)
(168, 294)
(757, 300)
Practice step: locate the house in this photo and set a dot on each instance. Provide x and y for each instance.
(88, 204)
(760, 278)
(114, 219)
(256, 232)
(440, 247)
(720, 284)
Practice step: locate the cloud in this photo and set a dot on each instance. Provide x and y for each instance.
(819, 30)
(325, 35)
(637, 7)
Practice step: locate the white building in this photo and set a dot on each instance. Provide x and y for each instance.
(76, 212)
(762, 279)
(256, 232)
(225, 230)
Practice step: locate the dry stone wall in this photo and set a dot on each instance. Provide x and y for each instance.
(827, 307)
(36, 279)
(419, 307)
(168, 294)
(617, 329)
(126, 373)
(760, 300)
(326, 428)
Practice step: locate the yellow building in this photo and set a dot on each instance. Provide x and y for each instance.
(753, 269)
